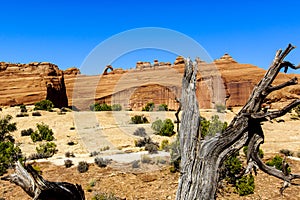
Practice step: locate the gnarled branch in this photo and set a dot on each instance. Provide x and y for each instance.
(284, 175)
(293, 81)
(275, 114)
(39, 188)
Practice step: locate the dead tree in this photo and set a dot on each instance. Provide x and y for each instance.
(39, 188)
(201, 160)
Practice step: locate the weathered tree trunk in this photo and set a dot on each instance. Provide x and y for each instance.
(38, 188)
(201, 160)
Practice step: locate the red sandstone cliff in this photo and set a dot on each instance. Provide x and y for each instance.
(32, 82)
(224, 81)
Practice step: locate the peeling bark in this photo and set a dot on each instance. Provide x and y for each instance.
(201, 160)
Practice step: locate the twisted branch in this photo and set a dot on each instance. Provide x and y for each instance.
(275, 114)
(283, 175)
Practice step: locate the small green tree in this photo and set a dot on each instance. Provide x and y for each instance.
(168, 128)
(44, 105)
(157, 126)
(7, 127)
(43, 133)
(210, 128)
(149, 107)
(9, 153)
(163, 128)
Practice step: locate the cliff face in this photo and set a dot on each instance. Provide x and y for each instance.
(224, 81)
(29, 83)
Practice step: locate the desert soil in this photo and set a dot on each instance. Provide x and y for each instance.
(94, 131)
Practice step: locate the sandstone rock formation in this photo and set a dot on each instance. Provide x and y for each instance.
(222, 82)
(73, 71)
(32, 82)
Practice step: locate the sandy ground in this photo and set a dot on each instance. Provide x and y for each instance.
(94, 131)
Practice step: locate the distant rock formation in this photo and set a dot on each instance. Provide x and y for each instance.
(226, 58)
(224, 81)
(32, 82)
(73, 71)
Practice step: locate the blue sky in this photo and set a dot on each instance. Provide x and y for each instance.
(65, 32)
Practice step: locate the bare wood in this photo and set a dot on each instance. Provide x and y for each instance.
(39, 188)
(293, 81)
(201, 159)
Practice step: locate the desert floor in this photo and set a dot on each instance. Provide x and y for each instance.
(93, 131)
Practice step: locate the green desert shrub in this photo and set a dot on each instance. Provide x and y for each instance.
(245, 185)
(157, 125)
(47, 150)
(105, 148)
(27, 132)
(163, 107)
(44, 105)
(69, 154)
(163, 128)
(151, 148)
(232, 167)
(149, 107)
(6, 127)
(139, 119)
(286, 152)
(43, 133)
(212, 127)
(68, 163)
(22, 114)
(142, 142)
(36, 113)
(277, 163)
(82, 167)
(220, 108)
(140, 132)
(135, 164)
(100, 107)
(23, 108)
(116, 107)
(100, 162)
(165, 145)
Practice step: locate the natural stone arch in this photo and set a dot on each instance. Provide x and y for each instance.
(107, 68)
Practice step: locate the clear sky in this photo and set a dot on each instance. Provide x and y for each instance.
(65, 32)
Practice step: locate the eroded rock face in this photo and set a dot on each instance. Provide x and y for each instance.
(32, 82)
(224, 81)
